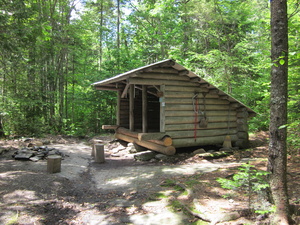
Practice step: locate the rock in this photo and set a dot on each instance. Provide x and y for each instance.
(199, 151)
(144, 156)
(214, 155)
(3, 150)
(36, 153)
(226, 149)
(161, 156)
(24, 154)
(35, 158)
(211, 151)
(35, 143)
(131, 148)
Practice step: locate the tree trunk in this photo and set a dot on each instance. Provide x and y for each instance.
(278, 117)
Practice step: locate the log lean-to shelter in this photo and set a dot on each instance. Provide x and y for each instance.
(164, 106)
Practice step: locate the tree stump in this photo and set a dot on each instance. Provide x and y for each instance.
(99, 153)
(94, 148)
(54, 164)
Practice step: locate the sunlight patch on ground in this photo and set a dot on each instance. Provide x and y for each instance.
(11, 175)
(20, 196)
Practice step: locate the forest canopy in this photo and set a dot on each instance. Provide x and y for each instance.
(52, 51)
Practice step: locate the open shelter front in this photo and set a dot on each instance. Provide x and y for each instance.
(164, 106)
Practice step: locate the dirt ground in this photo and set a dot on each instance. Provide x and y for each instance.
(125, 191)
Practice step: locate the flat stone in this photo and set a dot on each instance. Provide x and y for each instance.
(144, 156)
(24, 155)
(199, 151)
(161, 156)
(35, 158)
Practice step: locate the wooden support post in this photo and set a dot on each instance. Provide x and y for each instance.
(131, 107)
(99, 153)
(162, 110)
(118, 114)
(145, 109)
(54, 164)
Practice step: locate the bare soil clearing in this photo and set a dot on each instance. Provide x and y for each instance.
(122, 190)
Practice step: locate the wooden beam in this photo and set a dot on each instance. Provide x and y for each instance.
(110, 127)
(122, 130)
(124, 93)
(189, 142)
(131, 107)
(191, 119)
(183, 72)
(187, 89)
(202, 133)
(106, 88)
(144, 109)
(220, 125)
(165, 141)
(167, 150)
(162, 70)
(192, 113)
(151, 136)
(118, 110)
(162, 110)
(190, 107)
(160, 76)
(149, 81)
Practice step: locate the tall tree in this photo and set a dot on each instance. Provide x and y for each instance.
(277, 164)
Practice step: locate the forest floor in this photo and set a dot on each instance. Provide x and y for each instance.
(125, 191)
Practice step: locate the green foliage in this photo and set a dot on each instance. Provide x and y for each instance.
(49, 58)
(252, 181)
(247, 177)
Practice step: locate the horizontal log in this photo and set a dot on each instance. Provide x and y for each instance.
(201, 101)
(162, 70)
(241, 121)
(242, 127)
(105, 88)
(200, 133)
(165, 141)
(122, 130)
(191, 107)
(110, 127)
(159, 76)
(191, 120)
(242, 114)
(243, 135)
(167, 150)
(170, 88)
(192, 113)
(151, 136)
(185, 94)
(141, 81)
(179, 127)
(190, 142)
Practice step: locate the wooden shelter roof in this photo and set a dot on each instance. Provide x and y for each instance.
(117, 82)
